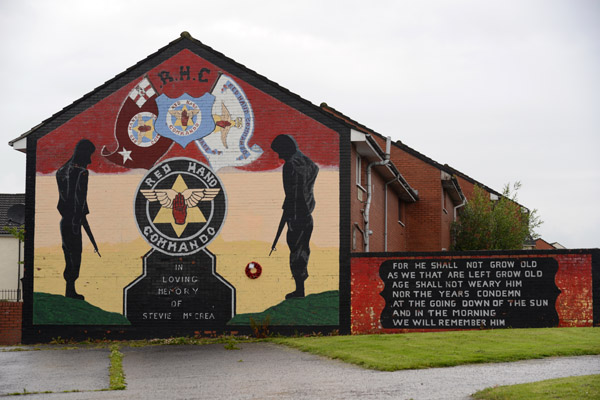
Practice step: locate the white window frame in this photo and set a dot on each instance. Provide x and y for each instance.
(361, 190)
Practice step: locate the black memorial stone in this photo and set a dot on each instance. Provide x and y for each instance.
(179, 291)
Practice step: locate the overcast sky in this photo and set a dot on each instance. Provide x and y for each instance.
(503, 90)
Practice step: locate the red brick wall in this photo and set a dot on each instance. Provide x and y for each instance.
(424, 217)
(377, 212)
(447, 214)
(10, 323)
(574, 279)
(574, 304)
(397, 237)
(423, 220)
(396, 240)
(466, 186)
(426, 228)
(541, 244)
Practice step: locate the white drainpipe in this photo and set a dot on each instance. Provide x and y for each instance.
(459, 206)
(367, 233)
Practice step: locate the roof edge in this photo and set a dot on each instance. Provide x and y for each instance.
(184, 36)
(410, 150)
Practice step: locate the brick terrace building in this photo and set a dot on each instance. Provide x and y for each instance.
(181, 181)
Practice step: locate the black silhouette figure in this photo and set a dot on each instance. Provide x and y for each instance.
(72, 180)
(299, 175)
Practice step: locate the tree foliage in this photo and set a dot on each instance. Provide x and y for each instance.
(502, 224)
(17, 231)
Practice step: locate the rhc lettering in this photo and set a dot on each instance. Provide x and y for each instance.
(185, 74)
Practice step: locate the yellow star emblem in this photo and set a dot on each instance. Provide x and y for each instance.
(184, 117)
(165, 215)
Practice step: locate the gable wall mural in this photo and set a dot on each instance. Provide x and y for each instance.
(188, 198)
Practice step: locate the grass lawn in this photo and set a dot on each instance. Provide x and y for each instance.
(438, 349)
(576, 388)
(445, 349)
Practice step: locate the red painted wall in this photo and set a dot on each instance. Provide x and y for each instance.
(267, 110)
(574, 304)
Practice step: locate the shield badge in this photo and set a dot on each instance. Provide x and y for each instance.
(229, 144)
(137, 143)
(185, 118)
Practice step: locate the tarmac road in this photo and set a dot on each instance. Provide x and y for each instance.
(256, 371)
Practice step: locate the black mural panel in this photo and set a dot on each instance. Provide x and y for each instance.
(180, 291)
(596, 286)
(469, 294)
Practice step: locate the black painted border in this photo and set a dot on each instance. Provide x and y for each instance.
(596, 285)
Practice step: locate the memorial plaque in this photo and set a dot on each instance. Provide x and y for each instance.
(469, 294)
(180, 291)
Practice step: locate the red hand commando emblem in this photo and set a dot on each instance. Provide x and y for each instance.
(180, 202)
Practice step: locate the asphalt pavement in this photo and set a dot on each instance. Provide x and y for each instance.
(255, 371)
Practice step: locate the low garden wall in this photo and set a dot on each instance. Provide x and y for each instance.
(10, 322)
(400, 292)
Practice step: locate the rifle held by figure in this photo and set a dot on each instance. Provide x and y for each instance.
(279, 230)
(88, 230)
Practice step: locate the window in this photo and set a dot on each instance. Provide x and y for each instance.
(360, 189)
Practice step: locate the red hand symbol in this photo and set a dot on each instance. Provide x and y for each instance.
(179, 209)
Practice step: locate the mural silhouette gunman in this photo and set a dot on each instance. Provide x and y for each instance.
(299, 175)
(72, 180)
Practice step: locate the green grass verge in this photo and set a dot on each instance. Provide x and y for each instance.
(52, 309)
(315, 309)
(115, 371)
(574, 388)
(26, 392)
(445, 349)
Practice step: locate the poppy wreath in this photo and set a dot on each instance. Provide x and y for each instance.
(253, 270)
